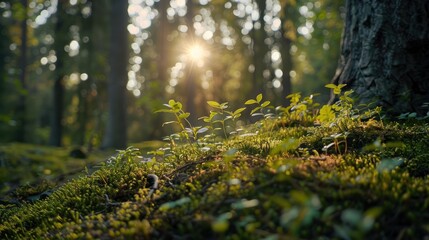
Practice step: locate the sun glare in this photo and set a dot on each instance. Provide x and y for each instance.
(196, 53)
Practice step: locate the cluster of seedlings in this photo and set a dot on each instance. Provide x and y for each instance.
(334, 173)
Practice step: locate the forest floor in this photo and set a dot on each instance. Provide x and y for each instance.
(277, 179)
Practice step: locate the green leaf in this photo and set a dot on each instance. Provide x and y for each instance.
(184, 115)
(245, 204)
(220, 226)
(331, 86)
(213, 104)
(294, 98)
(351, 216)
(337, 90)
(168, 205)
(266, 103)
(171, 103)
(389, 164)
(251, 101)
(412, 115)
(287, 145)
(239, 111)
(202, 130)
(164, 111)
(341, 85)
(176, 105)
(257, 114)
(254, 110)
(259, 98)
(170, 122)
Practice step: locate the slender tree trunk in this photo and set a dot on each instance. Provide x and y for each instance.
(191, 92)
(162, 42)
(97, 80)
(84, 87)
(259, 52)
(288, 32)
(157, 90)
(116, 128)
(4, 52)
(20, 134)
(287, 66)
(56, 133)
(385, 53)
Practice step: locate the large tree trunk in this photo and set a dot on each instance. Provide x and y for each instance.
(116, 128)
(385, 53)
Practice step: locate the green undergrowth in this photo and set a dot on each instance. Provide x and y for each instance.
(22, 164)
(346, 175)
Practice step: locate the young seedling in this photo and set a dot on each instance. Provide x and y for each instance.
(301, 111)
(181, 119)
(260, 107)
(221, 115)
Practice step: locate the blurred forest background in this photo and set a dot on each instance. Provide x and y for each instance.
(63, 62)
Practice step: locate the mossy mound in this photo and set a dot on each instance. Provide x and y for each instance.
(419, 166)
(279, 183)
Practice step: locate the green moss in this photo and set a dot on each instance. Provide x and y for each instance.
(418, 166)
(272, 184)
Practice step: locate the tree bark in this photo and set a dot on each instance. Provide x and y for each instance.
(191, 88)
(55, 138)
(116, 128)
(385, 53)
(84, 87)
(162, 43)
(260, 50)
(287, 65)
(20, 133)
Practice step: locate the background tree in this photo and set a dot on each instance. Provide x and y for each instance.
(384, 56)
(5, 115)
(21, 110)
(116, 127)
(58, 92)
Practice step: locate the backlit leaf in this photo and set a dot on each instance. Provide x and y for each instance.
(213, 104)
(251, 101)
(259, 98)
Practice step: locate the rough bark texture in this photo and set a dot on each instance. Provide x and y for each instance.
(385, 53)
(116, 128)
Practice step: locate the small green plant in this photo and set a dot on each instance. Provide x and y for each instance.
(221, 116)
(300, 111)
(126, 156)
(340, 112)
(261, 108)
(187, 131)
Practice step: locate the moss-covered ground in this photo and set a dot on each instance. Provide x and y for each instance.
(275, 181)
